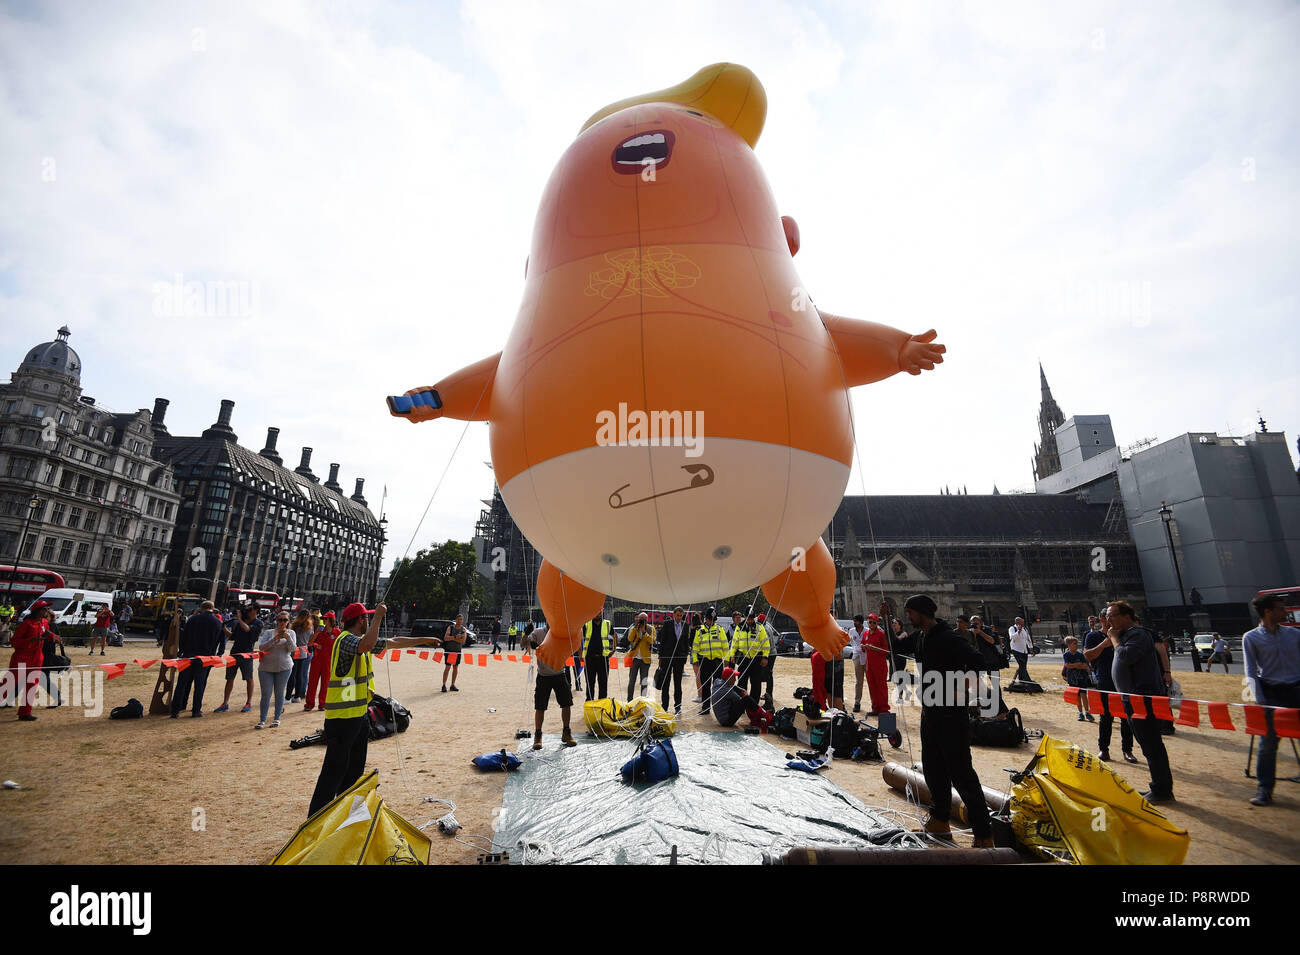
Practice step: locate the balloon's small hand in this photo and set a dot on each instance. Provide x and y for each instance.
(416, 405)
(921, 353)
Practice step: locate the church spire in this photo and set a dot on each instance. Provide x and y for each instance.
(851, 552)
(1047, 460)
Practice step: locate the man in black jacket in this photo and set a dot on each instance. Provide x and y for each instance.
(946, 661)
(202, 636)
(673, 644)
(1137, 669)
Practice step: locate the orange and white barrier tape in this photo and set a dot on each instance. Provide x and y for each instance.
(114, 670)
(1284, 722)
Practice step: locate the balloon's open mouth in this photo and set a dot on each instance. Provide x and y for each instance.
(650, 149)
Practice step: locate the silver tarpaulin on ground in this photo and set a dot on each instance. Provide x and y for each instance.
(734, 800)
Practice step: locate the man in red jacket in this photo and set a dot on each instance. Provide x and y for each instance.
(27, 659)
(318, 674)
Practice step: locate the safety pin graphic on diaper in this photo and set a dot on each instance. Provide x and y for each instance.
(702, 476)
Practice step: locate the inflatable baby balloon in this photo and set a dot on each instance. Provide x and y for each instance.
(669, 418)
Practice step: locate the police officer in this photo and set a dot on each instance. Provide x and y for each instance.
(749, 650)
(709, 650)
(595, 655)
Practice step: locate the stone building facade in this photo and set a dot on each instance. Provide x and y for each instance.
(248, 522)
(106, 508)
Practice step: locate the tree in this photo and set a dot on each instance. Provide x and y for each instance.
(437, 579)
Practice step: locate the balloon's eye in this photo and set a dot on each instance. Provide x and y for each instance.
(652, 149)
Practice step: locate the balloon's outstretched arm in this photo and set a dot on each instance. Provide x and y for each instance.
(465, 395)
(872, 352)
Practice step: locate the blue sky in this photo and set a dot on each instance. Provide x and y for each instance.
(1108, 190)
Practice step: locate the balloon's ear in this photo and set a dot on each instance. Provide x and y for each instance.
(791, 234)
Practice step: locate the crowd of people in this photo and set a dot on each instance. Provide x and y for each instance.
(731, 669)
(292, 667)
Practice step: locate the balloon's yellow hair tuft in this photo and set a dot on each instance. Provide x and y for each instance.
(728, 92)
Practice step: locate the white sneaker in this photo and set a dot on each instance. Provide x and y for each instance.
(260, 726)
(274, 723)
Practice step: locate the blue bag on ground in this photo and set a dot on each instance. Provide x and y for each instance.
(501, 760)
(808, 765)
(653, 764)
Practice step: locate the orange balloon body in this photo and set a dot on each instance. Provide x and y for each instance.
(669, 418)
(676, 293)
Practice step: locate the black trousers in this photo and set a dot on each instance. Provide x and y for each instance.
(1273, 693)
(749, 676)
(345, 760)
(1104, 721)
(945, 754)
(673, 668)
(1148, 736)
(193, 676)
(1022, 671)
(597, 670)
(709, 669)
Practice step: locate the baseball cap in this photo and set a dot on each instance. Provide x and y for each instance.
(351, 611)
(872, 616)
(762, 618)
(329, 615)
(39, 605)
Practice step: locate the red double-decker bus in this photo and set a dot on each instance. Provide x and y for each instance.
(262, 599)
(28, 583)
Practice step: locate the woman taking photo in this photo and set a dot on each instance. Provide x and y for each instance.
(273, 671)
(304, 628)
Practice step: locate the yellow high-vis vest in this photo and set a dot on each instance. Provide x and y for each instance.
(349, 696)
(710, 643)
(749, 643)
(607, 644)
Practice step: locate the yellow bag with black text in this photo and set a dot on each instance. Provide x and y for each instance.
(615, 718)
(1068, 806)
(357, 828)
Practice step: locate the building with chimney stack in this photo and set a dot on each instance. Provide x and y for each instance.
(248, 522)
(78, 482)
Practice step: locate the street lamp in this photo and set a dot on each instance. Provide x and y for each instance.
(379, 557)
(1167, 515)
(33, 506)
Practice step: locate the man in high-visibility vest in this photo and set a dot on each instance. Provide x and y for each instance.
(749, 651)
(709, 650)
(513, 635)
(347, 697)
(595, 654)
(6, 619)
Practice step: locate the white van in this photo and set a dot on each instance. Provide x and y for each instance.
(73, 607)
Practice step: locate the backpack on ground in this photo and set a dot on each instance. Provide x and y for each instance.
(654, 764)
(393, 711)
(499, 760)
(386, 717)
(1024, 686)
(1005, 730)
(132, 710)
(846, 732)
(783, 723)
